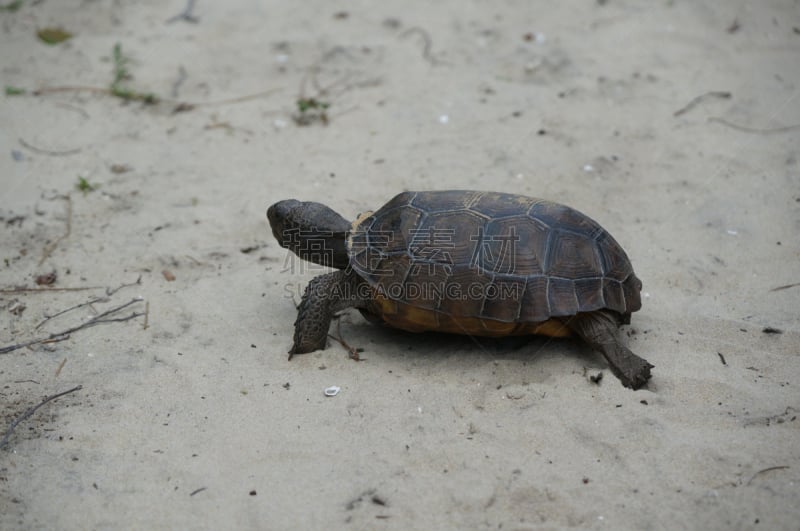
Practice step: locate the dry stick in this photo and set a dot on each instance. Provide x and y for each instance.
(691, 105)
(61, 366)
(178, 82)
(238, 99)
(353, 352)
(54, 340)
(746, 129)
(764, 471)
(427, 42)
(137, 282)
(48, 151)
(31, 411)
(183, 105)
(146, 314)
(45, 290)
(786, 286)
(87, 303)
(70, 88)
(50, 248)
(60, 336)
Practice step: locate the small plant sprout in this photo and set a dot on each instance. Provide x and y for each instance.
(122, 74)
(85, 186)
(310, 110)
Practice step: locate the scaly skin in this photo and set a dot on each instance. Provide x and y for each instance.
(599, 330)
(324, 296)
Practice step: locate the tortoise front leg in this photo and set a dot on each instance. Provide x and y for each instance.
(324, 296)
(599, 329)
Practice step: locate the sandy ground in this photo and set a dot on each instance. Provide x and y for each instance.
(195, 419)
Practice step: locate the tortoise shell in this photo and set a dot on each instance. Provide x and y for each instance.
(486, 263)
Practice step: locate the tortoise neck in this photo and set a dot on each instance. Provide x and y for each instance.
(313, 232)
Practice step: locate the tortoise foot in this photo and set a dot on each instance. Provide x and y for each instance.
(635, 375)
(304, 345)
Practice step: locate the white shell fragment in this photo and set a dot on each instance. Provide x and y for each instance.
(332, 390)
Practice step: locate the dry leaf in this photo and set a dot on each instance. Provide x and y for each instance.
(53, 35)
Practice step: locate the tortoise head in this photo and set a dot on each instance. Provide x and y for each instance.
(310, 230)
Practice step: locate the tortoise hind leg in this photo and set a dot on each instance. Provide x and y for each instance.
(599, 329)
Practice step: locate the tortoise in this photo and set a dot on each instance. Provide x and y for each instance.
(466, 262)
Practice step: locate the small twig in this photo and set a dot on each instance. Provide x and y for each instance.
(692, 104)
(765, 470)
(50, 152)
(137, 282)
(197, 491)
(54, 340)
(134, 315)
(746, 129)
(722, 358)
(60, 366)
(181, 105)
(70, 88)
(31, 411)
(786, 286)
(45, 290)
(52, 247)
(353, 353)
(11, 348)
(186, 14)
(238, 99)
(427, 43)
(81, 305)
(60, 336)
(178, 82)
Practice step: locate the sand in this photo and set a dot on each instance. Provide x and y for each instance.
(191, 417)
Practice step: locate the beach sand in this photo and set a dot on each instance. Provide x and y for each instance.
(673, 124)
